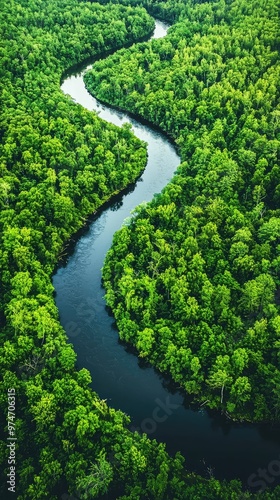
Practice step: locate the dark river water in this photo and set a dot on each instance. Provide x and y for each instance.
(209, 442)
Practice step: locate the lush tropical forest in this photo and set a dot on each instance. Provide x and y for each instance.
(193, 280)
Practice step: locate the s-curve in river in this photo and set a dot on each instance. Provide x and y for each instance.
(209, 442)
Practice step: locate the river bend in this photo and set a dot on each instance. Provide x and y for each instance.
(209, 442)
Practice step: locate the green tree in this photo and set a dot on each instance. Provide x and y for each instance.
(97, 482)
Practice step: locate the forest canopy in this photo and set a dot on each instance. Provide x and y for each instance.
(194, 280)
(59, 163)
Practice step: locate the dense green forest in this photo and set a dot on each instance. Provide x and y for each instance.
(59, 163)
(193, 280)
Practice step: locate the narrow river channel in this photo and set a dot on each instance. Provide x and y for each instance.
(209, 442)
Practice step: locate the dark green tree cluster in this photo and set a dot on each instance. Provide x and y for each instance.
(194, 280)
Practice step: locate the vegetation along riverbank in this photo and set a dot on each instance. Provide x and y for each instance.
(199, 297)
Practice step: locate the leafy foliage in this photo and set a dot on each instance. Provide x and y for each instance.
(194, 280)
(59, 163)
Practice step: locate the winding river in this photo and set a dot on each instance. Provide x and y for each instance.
(210, 443)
